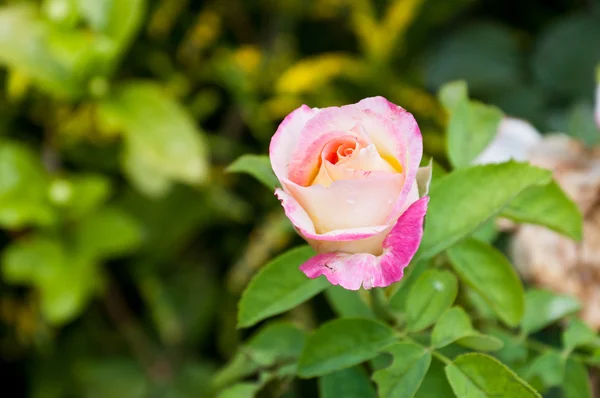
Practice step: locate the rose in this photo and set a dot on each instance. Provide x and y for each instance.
(348, 185)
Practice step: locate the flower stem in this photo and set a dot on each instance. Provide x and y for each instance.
(379, 304)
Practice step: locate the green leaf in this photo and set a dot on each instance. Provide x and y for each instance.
(80, 194)
(404, 376)
(465, 199)
(513, 350)
(479, 376)
(27, 41)
(455, 326)
(435, 383)
(489, 273)
(429, 297)
(278, 287)
(402, 289)
(576, 383)
(126, 377)
(119, 20)
(549, 368)
(343, 343)
(66, 280)
(549, 206)
(348, 383)
(241, 390)
(347, 303)
(258, 166)
(452, 94)
(579, 334)
(543, 308)
(23, 187)
(108, 232)
(277, 343)
(162, 141)
(472, 126)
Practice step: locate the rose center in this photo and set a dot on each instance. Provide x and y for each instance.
(339, 149)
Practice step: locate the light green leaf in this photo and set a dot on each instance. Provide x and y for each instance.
(543, 308)
(429, 297)
(258, 166)
(347, 303)
(491, 275)
(472, 126)
(278, 287)
(481, 376)
(579, 334)
(27, 41)
(348, 383)
(118, 20)
(404, 376)
(577, 382)
(549, 206)
(513, 350)
(452, 94)
(277, 343)
(241, 390)
(23, 187)
(343, 343)
(465, 199)
(402, 289)
(455, 326)
(162, 140)
(80, 194)
(108, 232)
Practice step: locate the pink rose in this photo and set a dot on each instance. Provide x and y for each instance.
(348, 178)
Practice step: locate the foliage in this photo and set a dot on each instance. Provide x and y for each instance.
(128, 237)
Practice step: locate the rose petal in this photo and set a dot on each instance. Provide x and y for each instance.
(285, 139)
(404, 141)
(514, 140)
(349, 204)
(351, 271)
(304, 225)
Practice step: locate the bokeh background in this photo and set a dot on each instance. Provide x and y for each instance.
(125, 243)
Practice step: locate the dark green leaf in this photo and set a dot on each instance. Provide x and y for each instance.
(404, 376)
(479, 376)
(258, 166)
(348, 383)
(549, 206)
(278, 287)
(463, 200)
(543, 308)
(343, 343)
(566, 55)
(576, 383)
(429, 297)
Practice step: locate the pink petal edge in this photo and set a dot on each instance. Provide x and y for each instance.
(351, 271)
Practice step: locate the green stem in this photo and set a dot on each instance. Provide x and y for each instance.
(379, 304)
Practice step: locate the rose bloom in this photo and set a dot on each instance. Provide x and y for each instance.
(348, 184)
(546, 258)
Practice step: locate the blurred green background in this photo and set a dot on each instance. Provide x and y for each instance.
(124, 242)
